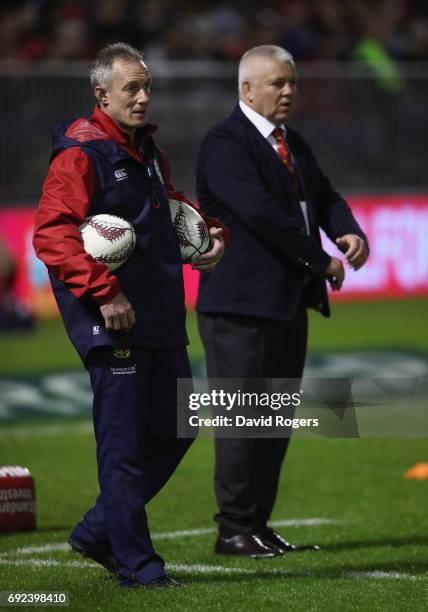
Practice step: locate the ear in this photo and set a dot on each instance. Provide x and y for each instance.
(247, 91)
(101, 95)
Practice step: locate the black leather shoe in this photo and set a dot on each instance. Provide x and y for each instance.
(105, 559)
(244, 546)
(274, 539)
(163, 582)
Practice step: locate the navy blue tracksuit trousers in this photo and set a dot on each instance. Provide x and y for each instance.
(135, 417)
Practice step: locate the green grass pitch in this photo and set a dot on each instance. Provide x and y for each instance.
(371, 524)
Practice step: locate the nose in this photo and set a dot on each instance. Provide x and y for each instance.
(143, 96)
(288, 89)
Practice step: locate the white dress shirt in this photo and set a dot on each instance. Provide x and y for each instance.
(266, 127)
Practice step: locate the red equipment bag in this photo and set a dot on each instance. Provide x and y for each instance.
(17, 499)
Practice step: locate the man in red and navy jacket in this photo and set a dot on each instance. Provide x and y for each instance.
(128, 326)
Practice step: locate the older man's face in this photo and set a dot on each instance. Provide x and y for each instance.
(127, 96)
(272, 89)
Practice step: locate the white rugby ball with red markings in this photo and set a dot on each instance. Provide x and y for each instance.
(191, 229)
(108, 238)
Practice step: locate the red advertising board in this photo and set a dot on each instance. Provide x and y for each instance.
(397, 230)
(396, 226)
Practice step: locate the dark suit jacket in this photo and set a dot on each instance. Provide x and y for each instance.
(242, 181)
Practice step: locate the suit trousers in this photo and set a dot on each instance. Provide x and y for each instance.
(135, 417)
(247, 470)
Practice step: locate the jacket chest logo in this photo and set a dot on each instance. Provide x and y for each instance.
(120, 175)
(121, 353)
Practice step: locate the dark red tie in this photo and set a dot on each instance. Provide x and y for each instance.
(285, 156)
(283, 151)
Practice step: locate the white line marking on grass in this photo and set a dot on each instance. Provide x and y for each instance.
(208, 569)
(25, 431)
(218, 569)
(380, 575)
(303, 522)
(30, 550)
(200, 568)
(172, 535)
(47, 563)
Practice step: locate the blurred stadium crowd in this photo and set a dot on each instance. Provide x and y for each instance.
(213, 29)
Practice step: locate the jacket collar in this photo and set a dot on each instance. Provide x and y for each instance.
(264, 126)
(112, 129)
(242, 118)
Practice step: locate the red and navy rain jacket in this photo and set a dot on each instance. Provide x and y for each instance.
(95, 169)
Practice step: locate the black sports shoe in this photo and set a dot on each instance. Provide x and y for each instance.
(103, 558)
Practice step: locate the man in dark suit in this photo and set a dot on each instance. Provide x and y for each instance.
(261, 179)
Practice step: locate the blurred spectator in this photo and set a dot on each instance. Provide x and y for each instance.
(109, 21)
(13, 315)
(298, 36)
(151, 19)
(370, 30)
(213, 30)
(21, 35)
(376, 22)
(71, 41)
(334, 38)
(417, 37)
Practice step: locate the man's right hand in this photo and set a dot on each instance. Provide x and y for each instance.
(118, 314)
(335, 274)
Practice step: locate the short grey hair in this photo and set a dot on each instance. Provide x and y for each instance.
(269, 52)
(101, 69)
